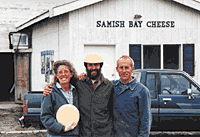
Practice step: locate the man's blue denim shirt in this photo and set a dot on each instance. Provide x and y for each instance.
(132, 109)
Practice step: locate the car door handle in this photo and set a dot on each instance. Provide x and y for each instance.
(167, 99)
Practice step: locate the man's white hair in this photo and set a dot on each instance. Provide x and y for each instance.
(126, 57)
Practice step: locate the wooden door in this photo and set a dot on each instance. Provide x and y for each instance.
(22, 75)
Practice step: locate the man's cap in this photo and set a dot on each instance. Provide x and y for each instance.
(67, 114)
(93, 58)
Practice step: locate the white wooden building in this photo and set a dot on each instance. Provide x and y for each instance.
(155, 33)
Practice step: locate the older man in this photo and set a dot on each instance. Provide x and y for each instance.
(132, 103)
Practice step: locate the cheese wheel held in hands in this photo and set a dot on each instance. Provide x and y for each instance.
(67, 114)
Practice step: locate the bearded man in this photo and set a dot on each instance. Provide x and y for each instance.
(95, 100)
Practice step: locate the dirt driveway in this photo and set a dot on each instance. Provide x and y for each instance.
(9, 122)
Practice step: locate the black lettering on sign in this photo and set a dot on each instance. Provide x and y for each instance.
(149, 22)
(103, 24)
(140, 22)
(167, 23)
(117, 23)
(130, 24)
(135, 24)
(163, 24)
(172, 24)
(109, 24)
(122, 23)
(153, 24)
(98, 23)
(158, 24)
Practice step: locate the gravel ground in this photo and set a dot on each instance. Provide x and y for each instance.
(8, 122)
(159, 134)
(24, 135)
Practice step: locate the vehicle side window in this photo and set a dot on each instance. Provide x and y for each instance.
(151, 84)
(174, 84)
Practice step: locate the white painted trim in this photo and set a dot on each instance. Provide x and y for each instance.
(161, 57)
(26, 50)
(110, 44)
(181, 57)
(142, 59)
(190, 3)
(33, 20)
(73, 6)
(7, 50)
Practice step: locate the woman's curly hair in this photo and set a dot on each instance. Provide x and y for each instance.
(63, 62)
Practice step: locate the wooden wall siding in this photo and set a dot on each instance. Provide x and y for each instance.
(83, 30)
(64, 45)
(45, 37)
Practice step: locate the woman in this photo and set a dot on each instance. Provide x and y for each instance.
(63, 93)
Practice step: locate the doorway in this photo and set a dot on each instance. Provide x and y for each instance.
(7, 76)
(107, 52)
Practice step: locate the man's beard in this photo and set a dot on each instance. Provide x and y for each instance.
(94, 76)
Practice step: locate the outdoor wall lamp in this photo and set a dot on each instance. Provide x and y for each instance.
(18, 40)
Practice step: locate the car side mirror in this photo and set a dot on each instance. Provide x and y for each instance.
(189, 91)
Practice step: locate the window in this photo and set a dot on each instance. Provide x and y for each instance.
(174, 84)
(151, 56)
(188, 58)
(171, 56)
(135, 54)
(166, 56)
(151, 84)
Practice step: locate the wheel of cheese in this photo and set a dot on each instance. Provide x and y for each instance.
(67, 114)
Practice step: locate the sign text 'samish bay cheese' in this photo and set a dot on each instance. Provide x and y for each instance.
(136, 24)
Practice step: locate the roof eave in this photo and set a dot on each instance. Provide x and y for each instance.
(73, 6)
(189, 3)
(34, 20)
(55, 11)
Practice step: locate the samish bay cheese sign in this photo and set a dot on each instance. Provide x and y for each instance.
(136, 24)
